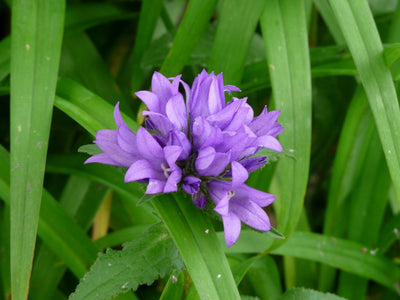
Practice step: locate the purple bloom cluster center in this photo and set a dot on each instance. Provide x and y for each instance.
(198, 143)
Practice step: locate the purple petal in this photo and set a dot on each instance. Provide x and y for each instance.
(191, 184)
(268, 141)
(171, 154)
(250, 213)
(199, 200)
(155, 186)
(148, 146)
(223, 205)
(258, 197)
(102, 158)
(172, 182)
(211, 163)
(142, 169)
(158, 122)
(254, 163)
(232, 229)
(223, 118)
(176, 112)
(204, 134)
(231, 88)
(107, 141)
(239, 174)
(150, 99)
(178, 138)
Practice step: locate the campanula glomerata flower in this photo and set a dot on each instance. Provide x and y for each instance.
(198, 143)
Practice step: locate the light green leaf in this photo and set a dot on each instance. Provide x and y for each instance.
(37, 28)
(362, 37)
(284, 29)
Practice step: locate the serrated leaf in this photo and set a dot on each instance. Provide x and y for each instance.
(141, 261)
(91, 149)
(301, 293)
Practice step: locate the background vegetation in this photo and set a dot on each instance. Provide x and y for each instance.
(332, 67)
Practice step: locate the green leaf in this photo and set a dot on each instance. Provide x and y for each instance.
(301, 293)
(265, 279)
(194, 23)
(275, 233)
(238, 19)
(343, 254)
(194, 235)
(37, 28)
(284, 29)
(86, 108)
(91, 149)
(57, 230)
(141, 261)
(362, 37)
(149, 15)
(174, 287)
(81, 16)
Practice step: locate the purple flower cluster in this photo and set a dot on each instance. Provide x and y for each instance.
(203, 145)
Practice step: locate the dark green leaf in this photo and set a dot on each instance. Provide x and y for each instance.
(141, 261)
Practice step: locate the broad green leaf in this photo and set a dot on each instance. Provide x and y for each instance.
(194, 235)
(141, 261)
(194, 23)
(238, 19)
(37, 29)
(284, 30)
(359, 29)
(301, 293)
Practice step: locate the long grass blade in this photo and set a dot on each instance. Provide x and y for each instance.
(358, 26)
(37, 29)
(284, 30)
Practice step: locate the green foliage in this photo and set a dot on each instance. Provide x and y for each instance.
(331, 67)
(141, 261)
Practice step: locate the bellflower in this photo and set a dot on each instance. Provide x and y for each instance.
(198, 143)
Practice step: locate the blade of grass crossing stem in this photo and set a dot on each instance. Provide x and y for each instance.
(359, 29)
(197, 242)
(37, 28)
(149, 15)
(238, 19)
(284, 31)
(193, 25)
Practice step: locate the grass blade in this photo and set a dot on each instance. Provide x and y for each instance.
(346, 255)
(238, 19)
(197, 242)
(284, 29)
(361, 34)
(37, 28)
(194, 23)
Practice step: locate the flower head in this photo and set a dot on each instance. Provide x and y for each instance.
(198, 143)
